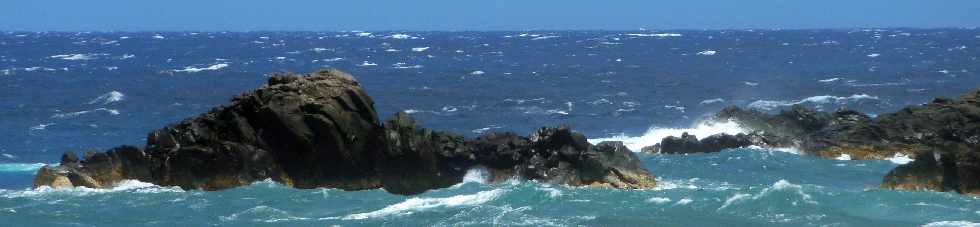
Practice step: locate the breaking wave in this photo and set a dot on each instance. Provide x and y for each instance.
(110, 97)
(656, 134)
(20, 167)
(419, 204)
(821, 99)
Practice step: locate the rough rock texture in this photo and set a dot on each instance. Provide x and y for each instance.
(943, 136)
(321, 130)
(690, 144)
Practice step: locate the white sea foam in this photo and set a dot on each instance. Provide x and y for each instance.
(401, 36)
(420, 49)
(158, 36)
(41, 126)
(874, 55)
(661, 35)
(753, 84)
(821, 99)
(952, 224)
(552, 192)
(707, 52)
(778, 186)
(110, 97)
(712, 101)
(684, 201)
(191, 69)
(476, 175)
(367, 64)
(133, 186)
(545, 37)
(901, 159)
(655, 134)
(485, 129)
(262, 213)
(658, 200)
(844, 157)
(477, 72)
(79, 113)
(830, 80)
(76, 57)
(21, 167)
(419, 204)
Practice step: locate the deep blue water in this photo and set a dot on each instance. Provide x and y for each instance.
(83, 91)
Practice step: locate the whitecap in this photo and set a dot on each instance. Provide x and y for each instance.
(133, 186)
(545, 37)
(874, 55)
(901, 159)
(477, 174)
(109, 97)
(780, 185)
(708, 52)
(658, 200)
(191, 69)
(485, 129)
(820, 99)
(41, 126)
(75, 57)
(21, 167)
(712, 101)
(952, 224)
(656, 134)
(79, 113)
(684, 201)
(420, 204)
(158, 36)
(552, 192)
(367, 64)
(678, 108)
(477, 72)
(830, 80)
(401, 36)
(753, 84)
(844, 157)
(420, 49)
(661, 35)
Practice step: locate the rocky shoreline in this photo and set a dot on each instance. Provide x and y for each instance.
(321, 130)
(943, 136)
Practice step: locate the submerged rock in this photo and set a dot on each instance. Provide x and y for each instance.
(321, 130)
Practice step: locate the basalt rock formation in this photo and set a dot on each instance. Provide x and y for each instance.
(321, 130)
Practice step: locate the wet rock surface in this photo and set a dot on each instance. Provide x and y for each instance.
(321, 130)
(943, 136)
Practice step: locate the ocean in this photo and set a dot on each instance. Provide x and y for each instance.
(80, 91)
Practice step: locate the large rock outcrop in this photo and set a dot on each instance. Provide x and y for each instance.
(321, 130)
(943, 136)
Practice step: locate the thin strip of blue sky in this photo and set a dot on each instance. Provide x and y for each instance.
(48, 15)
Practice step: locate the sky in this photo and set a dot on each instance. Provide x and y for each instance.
(459, 15)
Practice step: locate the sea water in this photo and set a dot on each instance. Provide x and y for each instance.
(92, 91)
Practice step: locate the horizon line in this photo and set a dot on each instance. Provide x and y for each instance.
(501, 30)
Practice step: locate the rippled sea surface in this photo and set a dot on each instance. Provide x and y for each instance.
(88, 91)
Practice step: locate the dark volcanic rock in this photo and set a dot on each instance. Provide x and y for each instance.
(690, 144)
(321, 130)
(943, 135)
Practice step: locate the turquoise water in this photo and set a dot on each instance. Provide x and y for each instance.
(743, 187)
(78, 91)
